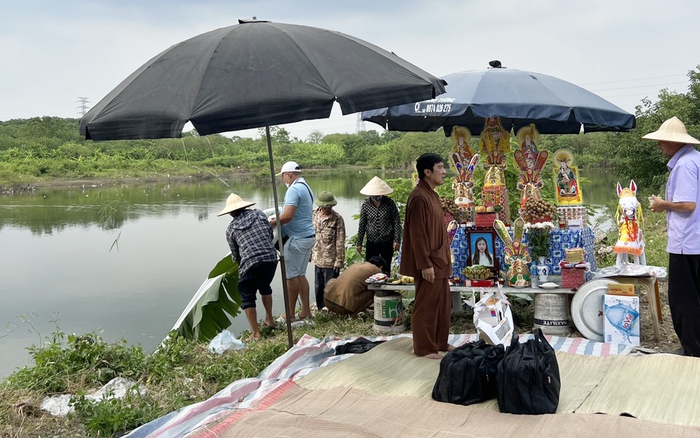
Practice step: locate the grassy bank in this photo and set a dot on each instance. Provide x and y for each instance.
(181, 373)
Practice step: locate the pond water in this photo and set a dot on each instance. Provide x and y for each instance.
(125, 259)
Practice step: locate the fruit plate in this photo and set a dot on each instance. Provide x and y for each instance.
(587, 308)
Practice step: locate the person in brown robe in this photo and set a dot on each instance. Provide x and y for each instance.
(425, 256)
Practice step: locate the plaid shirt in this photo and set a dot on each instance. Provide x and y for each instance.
(380, 224)
(249, 236)
(329, 249)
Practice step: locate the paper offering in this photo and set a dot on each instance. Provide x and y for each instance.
(493, 317)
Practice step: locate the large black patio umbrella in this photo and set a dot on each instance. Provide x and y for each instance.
(255, 74)
(518, 97)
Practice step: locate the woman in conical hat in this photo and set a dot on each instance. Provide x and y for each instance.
(380, 222)
(376, 187)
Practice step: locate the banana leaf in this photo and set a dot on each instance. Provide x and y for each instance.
(213, 306)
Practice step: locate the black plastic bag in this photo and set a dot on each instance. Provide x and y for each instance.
(468, 374)
(358, 346)
(528, 377)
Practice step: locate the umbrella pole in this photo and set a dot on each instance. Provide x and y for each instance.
(288, 319)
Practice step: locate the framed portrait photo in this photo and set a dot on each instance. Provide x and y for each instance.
(482, 249)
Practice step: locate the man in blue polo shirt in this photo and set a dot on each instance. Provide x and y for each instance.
(680, 205)
(298, 226)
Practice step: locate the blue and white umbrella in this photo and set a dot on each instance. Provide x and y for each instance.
(518, 97)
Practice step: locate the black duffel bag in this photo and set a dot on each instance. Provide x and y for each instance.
(468, 374)
(528, 377)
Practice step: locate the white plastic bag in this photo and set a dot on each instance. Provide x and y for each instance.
(60, 406)
(57, 405)
(225, 341)
(493, 317)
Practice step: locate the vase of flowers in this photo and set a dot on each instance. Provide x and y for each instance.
(539, 236)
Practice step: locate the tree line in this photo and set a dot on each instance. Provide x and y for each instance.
(51, 147)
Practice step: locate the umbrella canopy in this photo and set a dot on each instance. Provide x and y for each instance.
(251, 75)
(517, 97)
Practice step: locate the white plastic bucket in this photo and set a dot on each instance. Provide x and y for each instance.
(552, 314)
(388, 312)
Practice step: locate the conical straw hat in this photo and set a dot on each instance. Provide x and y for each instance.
(376, 187)
(233, 203)
(672, 130)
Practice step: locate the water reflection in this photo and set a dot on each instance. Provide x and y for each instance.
(49, 210)
(124, 259)
(600, 187)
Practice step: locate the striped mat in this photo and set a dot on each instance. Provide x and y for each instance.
(308, 355)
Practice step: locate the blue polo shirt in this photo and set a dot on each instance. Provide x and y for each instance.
(682, 186)
(300, 196)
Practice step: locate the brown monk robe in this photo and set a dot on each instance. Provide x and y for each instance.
(425, 256)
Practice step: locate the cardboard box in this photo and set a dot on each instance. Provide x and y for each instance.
(621, 319)
(575, 255)
(621, 289)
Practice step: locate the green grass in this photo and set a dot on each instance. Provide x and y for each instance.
(655, 235)
(180, 373)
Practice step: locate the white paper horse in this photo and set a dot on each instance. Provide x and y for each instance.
(629, 219)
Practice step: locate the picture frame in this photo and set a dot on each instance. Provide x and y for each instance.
(486, 258)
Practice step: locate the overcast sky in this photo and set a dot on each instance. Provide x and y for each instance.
(53, 52)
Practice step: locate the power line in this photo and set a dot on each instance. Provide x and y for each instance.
(665, 85)
(632, 80)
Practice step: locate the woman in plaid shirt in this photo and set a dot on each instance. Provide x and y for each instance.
(328, 253)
